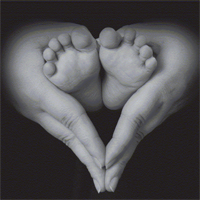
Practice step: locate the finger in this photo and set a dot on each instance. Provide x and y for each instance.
(71, 114)
(139, 108)
(62, 133)
(127, 135)
(114, 173)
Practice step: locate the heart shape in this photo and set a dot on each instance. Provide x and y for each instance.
(71, 59)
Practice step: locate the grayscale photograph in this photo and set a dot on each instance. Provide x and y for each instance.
(100, 100)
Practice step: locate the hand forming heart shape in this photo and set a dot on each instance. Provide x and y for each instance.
(70, 59)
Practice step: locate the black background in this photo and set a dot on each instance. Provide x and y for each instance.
(36, 165)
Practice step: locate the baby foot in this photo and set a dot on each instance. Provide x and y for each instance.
(72, 64)
(128, 63)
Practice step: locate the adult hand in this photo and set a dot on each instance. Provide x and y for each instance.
(39, 100)
(164, 94)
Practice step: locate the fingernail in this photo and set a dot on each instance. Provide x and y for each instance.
(98, 163)
(113, 184)
(97, 186)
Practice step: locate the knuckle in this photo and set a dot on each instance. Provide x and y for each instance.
(65, 121)
(71, 121)
(137, 121)
(68, 140)
(86, 141)
(139, 136)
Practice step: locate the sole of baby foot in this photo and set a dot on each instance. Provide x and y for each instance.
(72, 61)
(128, 62)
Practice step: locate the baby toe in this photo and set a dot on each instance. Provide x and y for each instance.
(129, 36)
(109, 38)
(82, 39)
(151, 64)
(145, 52)
(139, 42)
(54, 44)
(64, 39)
(49, 54)
(49, 69)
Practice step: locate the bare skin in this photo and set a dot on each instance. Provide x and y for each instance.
(164, 93)
(128, 63)
(58, 112)
(33, 94)
(72, 64)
